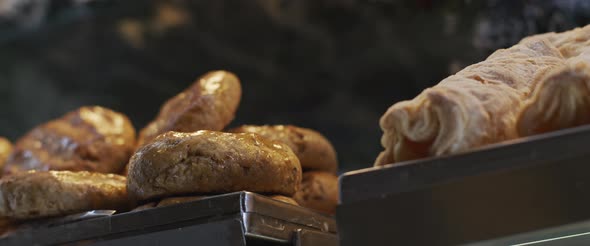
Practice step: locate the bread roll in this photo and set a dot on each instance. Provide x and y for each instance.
(477, 106)
(314, 151)
(562, 98)
(319, 191)
(212, 162)
(38, 194)
(209, 104)
(5, 151)
(88, 139)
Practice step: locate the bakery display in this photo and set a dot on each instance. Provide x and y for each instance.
(319, 191)
(477, 106)
(5, 150)
(209, 104)
(88, 139)
(314, 151)
(40, 194)
(212, 162)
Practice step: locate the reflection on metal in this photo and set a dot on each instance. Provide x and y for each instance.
(553, 239)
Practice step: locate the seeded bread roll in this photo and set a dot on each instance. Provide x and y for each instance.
(34, 194)
(314, 151)
(209, 104)
(5, 150)
(212, 162)
(319, 191)
(92, 139)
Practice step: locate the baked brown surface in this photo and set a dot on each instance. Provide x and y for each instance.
(89, 139)
(314, 151)
(319, 191)
(285, 199)
(212, 162)
(562, 98)
(37, 194)
(477, 106)
(5, 150)
(177, 200)
(209, 104)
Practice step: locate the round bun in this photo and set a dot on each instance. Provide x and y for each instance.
(314, 151)
(31, 195)
(212, 162)
(209, 104)
(319, 191)
(92, 139)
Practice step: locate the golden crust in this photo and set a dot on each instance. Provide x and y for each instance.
(314, 151)
(209, 104)
(319, 191)
(34, 194)
(88, 139)
(177, 200)
(212, 162)
(5, 150)
(477, 106)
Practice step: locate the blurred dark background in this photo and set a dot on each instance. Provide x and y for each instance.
(331, 65)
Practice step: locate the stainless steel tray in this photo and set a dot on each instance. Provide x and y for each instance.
(241, 218)
(497, 191)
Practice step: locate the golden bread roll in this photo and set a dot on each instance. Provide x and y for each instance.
(209, 104)
(37, 194)
(5, 151)
(314, 151)
(92, 139)
(319, 191)
(477, 106)
(212, 162)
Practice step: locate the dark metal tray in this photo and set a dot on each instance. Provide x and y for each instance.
(497, 191)
(241, 218)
